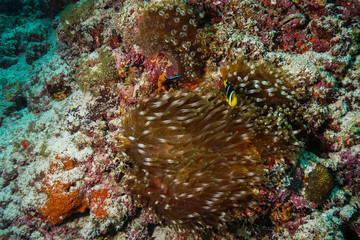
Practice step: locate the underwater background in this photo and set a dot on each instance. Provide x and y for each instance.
(169, 119)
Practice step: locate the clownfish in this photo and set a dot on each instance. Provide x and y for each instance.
(231, 97)
(126, 70)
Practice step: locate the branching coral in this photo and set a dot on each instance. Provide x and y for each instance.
(177, 30)
(196, 158)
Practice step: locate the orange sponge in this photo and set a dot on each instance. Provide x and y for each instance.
(62, 201)
(97, 205)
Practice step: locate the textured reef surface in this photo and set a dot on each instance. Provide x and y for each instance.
(179, 119)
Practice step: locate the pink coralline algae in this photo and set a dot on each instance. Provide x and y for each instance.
(349, 172)
(302, 25)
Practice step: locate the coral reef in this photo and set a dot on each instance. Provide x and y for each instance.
(83, 28)
(44, 8)
(28, 38)
(75, 76)
(71, 18)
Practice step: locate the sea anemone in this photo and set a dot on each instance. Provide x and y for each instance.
(276, 95)
(177, 30)
(263, 83)
(195, 158)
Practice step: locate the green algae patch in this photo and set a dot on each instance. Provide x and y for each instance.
(93, 78)
(73, 14)
(319, 185)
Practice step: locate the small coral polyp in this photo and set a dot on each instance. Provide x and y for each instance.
(196, 158)
(173, 28)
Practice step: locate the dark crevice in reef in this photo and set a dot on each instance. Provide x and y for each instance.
(349, 234)
(314, 142)
(130, 219)
(314, 145)
(78, 215)
(47, 8)
(151, 228)
(248, 229)
(19, 103)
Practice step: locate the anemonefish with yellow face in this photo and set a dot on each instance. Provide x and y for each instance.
(230, 94)
(126, 70)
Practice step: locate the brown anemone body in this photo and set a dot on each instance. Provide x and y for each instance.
(173, 28)
(195, 158)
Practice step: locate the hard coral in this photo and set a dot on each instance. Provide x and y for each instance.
(177, 30)
(195, 158)
(319, 185)
(81, 30)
